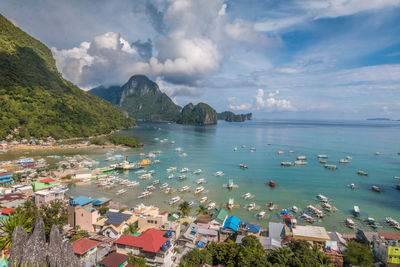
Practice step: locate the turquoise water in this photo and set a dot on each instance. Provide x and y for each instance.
(210, 148)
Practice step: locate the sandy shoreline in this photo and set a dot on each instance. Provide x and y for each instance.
(25, 147)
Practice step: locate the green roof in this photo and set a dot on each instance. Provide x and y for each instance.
(39, 185)
(220, 215)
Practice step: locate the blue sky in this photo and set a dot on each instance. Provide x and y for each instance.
(335, 59)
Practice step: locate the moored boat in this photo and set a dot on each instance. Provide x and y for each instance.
(174, 200)
(199, 189)
(251, 206)
(322, 156)
(271, 206)
(171, 169)
(363, 173)
(300, 162)
(301, 158)
(200, 181)
(150, 188)
(171, 176)
(272, 183)
(294, 209)
(344, 161)
(261, 215)
(184, 188)
(280, 152)
(145, 194)
(184, 170)
(375, 188)
(230, 203)
(286, 163)
(330, 167)
(350, 223)
(321, 198)
(327, 207)
(120, 192)
(182, 177)
(243, 166)
(219, 173)
(203, 199)
(198, 171)
(211, 206)
(164, 185)
(246, 196)
(356, 211)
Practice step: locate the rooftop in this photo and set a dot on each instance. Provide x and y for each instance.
(101, 200)
(83, 245)
(206, 218)
(275, 229)
(7, 211)
(313, 233)
(233, 223)
(47, 181)
(81, 200)
(390, 236)
(116, 218)
(114, 259)
(150, 240)
(220, 215)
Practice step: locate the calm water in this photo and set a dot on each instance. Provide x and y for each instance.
(211, 148)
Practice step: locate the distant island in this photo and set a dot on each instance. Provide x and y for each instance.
(378, 119)
(232, 117)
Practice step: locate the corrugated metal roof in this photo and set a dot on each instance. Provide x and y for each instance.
(81, 200)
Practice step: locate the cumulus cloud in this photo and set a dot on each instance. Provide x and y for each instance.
(240, 107)
(272, 103)
(179, 90)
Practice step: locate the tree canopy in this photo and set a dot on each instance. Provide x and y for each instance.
(358, 254)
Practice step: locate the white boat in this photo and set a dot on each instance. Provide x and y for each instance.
(184, 170)
(184, 188)
(350, 223)
(315, 211)
(251, 206)
(156, 161)
(140, 171)
(171, 176)
(203, 199)
(150, 188)
(120, 192)
(321, 198)
(322, 156)
(327, 207)
(300, 162)
(164, 185)
(171, 169)
(172, 142)
(230, 203)
(144, 194)
(151, 155)
(261, 215)
(211, 206)
(286, 163)
(111, 159)
(377, 153)
(178, 149)
(396, 177)
(291, 151)
(235, 149)
(174, 200)
(183, 155)
(280, 152)
(246, 196)
(145, 176)
(169, 190)
(301, 158)
(356, 211)
(393, 223)
(307, 217)
(199, 190)
(132, 184)
(330, 167)
(201, 181)
(182, 177)
(151, 171)
(348, 157)
(362, 173)
(156, 182)
(198, 171)
(344, 161)
(219, 173)
(295, 209)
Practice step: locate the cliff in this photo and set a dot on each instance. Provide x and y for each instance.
(200, 114)
(232, 117)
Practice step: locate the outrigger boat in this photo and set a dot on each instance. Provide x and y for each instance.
(235, 149)
(150, 188)
(164, 185)
(362, 173)
(145, 176)
(286, 163)
(323, 161)
(251, 206)
(330, 167)
(271, 206)
(280, 152)
(271, 183)
(396, 177)
(230, 203)
(174, 200)
(371, 222)
(144, 194)
(169, 190)
(261, 215)
(184, 188)
(350, 223)
(247, 196)
(243, 166)
(156, 182)
(198, 171)
(327, 207)
(184, 170)
(294, 209)
(120, 192)
(322, 156)
(171, 176)
(321, 198)
(393, 223)
(203, 199)
(201, 181)
(375, 188)
(300, 162)
(315, 211)
(211, 206)
(219, 173)
(301, 158)
(199, 189)
(182, 177)
(356, 211)
(307, 218)
(171, 169)
(132, 184)
(344, 161)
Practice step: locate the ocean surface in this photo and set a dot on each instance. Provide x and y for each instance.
(210, 148)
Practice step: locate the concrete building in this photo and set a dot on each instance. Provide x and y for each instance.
(218, 219)
(309, 233)
(386, 248)
(114, 259)
(82, 174)
(151, 220)
(81, 213)
(114, 224)
(45, 196)
(86, 249)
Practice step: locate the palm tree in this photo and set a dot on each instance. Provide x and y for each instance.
(184, 207)
(7, 226)
(132, 228)
(202, 209)
(281, 256)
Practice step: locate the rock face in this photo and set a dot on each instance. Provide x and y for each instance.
(141, 98)
(200, 114)
(232, 117)
(33, 250)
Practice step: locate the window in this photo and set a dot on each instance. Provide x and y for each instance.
(155, 222)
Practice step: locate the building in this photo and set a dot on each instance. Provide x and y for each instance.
(6, 212)
(151, 220)
(101, 202)
(12, 200)
(82, 174)
(142, 209)
(45, 196)
(86, 249)
(114, 259)
(203, 221)
(218, 219)
(44, 184)
(231, 225)
(114, 224)
(153, 245)
(310, 233)
(6, 178)
(81, 213)
(386, 248)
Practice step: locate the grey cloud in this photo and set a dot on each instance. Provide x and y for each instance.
(145, 49)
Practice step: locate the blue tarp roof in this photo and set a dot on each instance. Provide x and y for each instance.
(116, 218)
(6, 181)
(254, 228)
(232, 222)
(6, 176)
(81, 200)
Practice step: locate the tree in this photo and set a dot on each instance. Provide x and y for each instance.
(137, 261)
(78, 235)
(184, 208)
(132, 228)
(251, 252)
(7, 226)
(358, 254)
(63, 167)
(103, 210)
(202, 209)
(54, 213)
(197, 256)
(30, 210)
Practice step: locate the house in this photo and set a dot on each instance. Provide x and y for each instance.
(12, 200)
(268, 243)
(114, 259)
(6, 178)
(153, 245)
(189, 234)
(249, 229)
(203, 221)
(82, 174)
(85, 249)
(101, 202)
(151, 220)
(45, 196)
(81, 213)
(142, 209)
(231, 225)
(6, 212)
(44, 183)
(193, 234)
(114, 224)
(310, 233)
(387, 248)
(218, 219)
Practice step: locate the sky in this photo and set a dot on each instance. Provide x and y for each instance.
(307, 59)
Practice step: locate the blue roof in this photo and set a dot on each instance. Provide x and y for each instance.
(6, 176)
(233, 223)
(81, 200)
(101, 200)
(6, 181)
(253, 228)
(116, 218)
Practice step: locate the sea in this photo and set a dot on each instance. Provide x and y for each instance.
(211, 148)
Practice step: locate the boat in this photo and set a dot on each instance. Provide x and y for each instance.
(243, 166)
(151, 155)
(164, 185)
(272, 183)
(291, 151)
(356, 211)
(370, 220)
(150, 188)
(392, 223)
(178, 149)
(314, 211)
(252, 149)
(280, 152)
(201, 181)
(323, 161)
(169, 190)
(219, 173)
(377, 153)
(322, 156)
(251, 206)
(211, 206)
(327, 207)
(301, 158)
(307, 218)
(294, 209)
(321, 198)
(398, 186)
(132, 184)
(183, 155)
(300, 162)
(145, 176)
(145, 194)
(271, 206)
(246, 196)
(152, 172)
(156, 182)
(344, 161)
(260, 215)
(156, 161)
(350, 223)
(191, 202)
(171, 169)
(172, 142)
(375, 188)
(198, 171)
(184, 170)
(203, 199)
(120, 192)
(330, 167)
(352, 186)
(235, 149)
(230, 203)
(348, 157)
(171, 176)
(230, 184)
(184, 188)
(362, 173)
(182, 177)
(174, 200)
(111, 159)
(396, 177)
(199, 189)
(286, 163)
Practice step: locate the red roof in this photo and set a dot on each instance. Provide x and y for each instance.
(150, 240)
(83, 245)
(390, 236)
(7, 211)
(47, 181)
(113, 260)
(165, 212)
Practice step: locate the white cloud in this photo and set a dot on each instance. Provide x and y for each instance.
(240, 107)
(272, 103)
(288, 70)
(178, 90)
(222, 11)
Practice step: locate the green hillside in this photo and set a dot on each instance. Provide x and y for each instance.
(37, 101)
(200, 114)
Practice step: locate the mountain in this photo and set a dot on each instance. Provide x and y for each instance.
(36, 101)
(200, 114)
(142, 99)
(232, 117)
